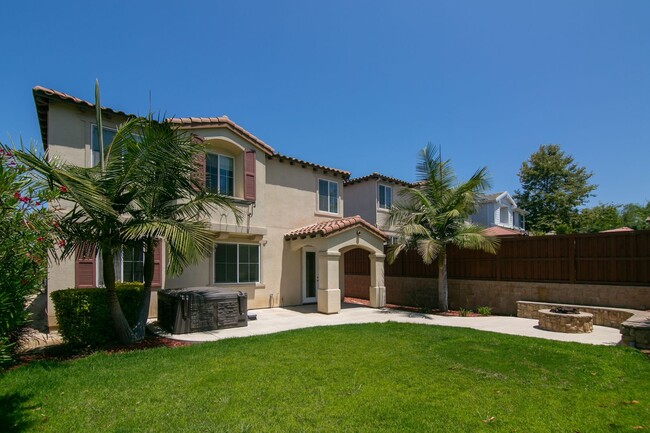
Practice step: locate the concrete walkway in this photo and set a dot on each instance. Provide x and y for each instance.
(274, 320)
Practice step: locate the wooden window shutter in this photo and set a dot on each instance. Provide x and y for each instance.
(85, 272)
(249, 175)
(199, 160)
(156, 282)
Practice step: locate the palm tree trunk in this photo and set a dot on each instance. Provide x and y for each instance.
(120, 323)
(443, 289)
(143, 311)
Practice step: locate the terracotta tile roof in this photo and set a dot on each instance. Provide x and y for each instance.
(378, 176)
(333, 226)
(42, 98)
(618, 230)
(220, 122)
(502, 231)
(293, 161)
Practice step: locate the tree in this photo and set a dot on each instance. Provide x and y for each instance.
(29, 233)
(170, 203)
(433, 215)
(146, 192)
(598, 218)
(553, 187)
(635, 216)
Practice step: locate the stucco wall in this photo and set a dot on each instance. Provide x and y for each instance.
(286, 199)
(69, 130)
(361, 199)
(293, 203)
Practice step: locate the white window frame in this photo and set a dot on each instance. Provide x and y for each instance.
(93, 126)
(259, 263)
(379, 196)
(234, 171)
(338, 190)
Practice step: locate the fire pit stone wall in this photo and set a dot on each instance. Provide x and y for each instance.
(570, 323)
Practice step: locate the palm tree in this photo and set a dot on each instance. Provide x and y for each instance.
(146, 192)
(433, 214)
(170, 203)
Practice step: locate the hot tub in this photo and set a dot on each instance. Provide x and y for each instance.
(197, 309)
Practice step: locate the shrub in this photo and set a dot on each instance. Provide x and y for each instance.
(28, 231)
(484, 311)
(83, 316)
(463, 312)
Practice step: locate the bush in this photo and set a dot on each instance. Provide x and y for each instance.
(484, 311)
(29, 232)
(83, 316)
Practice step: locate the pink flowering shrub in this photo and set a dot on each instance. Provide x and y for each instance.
(28, 232)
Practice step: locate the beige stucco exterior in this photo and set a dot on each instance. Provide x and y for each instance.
(286, 199)
(362, 198)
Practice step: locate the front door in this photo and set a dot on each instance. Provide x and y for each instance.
(309, 276)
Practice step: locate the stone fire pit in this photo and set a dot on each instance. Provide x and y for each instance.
(569, 321)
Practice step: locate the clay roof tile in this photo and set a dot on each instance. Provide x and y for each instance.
(333, 226)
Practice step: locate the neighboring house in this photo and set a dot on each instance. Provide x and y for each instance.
(371, 197)
(500, 210)
(618, 230)
(289, 248)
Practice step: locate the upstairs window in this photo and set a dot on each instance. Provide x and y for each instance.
(328, 196)
(385, 197)
(108, 135)
(504, 216)
(220, 174)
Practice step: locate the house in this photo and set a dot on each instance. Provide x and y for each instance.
(288, 250)
(500, 211)
(371, 197)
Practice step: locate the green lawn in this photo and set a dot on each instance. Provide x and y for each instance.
(354, 378)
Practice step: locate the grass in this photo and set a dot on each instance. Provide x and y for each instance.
(354, 378)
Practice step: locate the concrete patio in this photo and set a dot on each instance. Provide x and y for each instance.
(274, 320)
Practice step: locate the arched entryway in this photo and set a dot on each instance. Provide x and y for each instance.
(323, 246)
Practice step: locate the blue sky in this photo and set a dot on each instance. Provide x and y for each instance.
(361, 85)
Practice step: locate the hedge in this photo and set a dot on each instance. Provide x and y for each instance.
(83, 316)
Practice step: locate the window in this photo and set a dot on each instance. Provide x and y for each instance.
(219, 174)
(519, 220)
(385, 197)
(328, 196)
(132, 264)
(129, 266)
(237, 263)
(108, 135)
(504, 216)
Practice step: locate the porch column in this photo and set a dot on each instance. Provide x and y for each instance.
(329, 294)
(377, 287)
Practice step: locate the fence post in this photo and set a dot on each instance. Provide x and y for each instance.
(572, 259)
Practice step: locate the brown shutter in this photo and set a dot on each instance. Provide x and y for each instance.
(156, 282)
(199, 160)
(249, 175)
(85, 271)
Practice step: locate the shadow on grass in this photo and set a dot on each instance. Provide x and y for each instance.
(15, 415)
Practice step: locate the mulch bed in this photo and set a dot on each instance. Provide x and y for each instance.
(450, 313)
(62, 352)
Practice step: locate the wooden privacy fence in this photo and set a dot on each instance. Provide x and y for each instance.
(621, 258)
